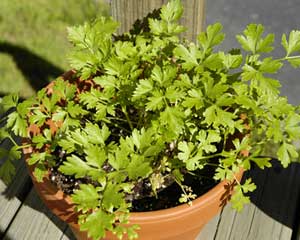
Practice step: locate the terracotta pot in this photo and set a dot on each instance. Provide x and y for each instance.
(177, 223)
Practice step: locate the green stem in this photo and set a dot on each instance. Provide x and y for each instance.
(13, 141)
(127, 117)
(289, 58)
(24, 146)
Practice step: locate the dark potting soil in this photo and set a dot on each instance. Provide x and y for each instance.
(167, 198)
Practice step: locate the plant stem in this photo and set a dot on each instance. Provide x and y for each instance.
(289, 57)
(13, 141)
(127, 117)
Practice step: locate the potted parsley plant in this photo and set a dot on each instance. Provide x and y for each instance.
(145, 122)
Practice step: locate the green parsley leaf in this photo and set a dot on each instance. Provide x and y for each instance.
(238, 199)
(95, 134)
(75, 166)
(253, 41)
(86, 198)
(17, 124)
(286, 152)
(112, 197)
(292, 44)
(212, 37)
(144, 86)
(138, 167)
(97, 223)
(40, 171)
(188, 56)
(8, 102)
(155, 102)
(96, 155)
(172, 11)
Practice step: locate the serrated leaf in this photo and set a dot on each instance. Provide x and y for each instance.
(38, 117)
(7, 171)
(174, 94)
(172, 11)
(238, 199)
(252, 39)
(112, 197)
(138, 167)
(262, 162)
(185, 149)
(188, 55)
(96, 155)
(106, 81)
(37, 157)
(212, 37)
(248, 186)
(40, 171)
(17, 124)
(86, 197)
(78, 137)
(173, 118)
(295, 62)
(155, 102)
(157, 74)
(292, 44)
(97, 223)
(213, 62)
(119, 160)
(292, 126)
(269, 65)
(206, 138)
(75, 166)
(250, 73)
(156, 26)
(231, 61)
(95, 134)
(144, 86)
(8, 102)
(75, 110)
(67, 145)
(195, 99)
(285, 153)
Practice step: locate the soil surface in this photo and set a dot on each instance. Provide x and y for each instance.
(167, 198)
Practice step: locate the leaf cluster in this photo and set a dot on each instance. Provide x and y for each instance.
(149, 107)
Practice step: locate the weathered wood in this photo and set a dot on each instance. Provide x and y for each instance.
(35, 221)
(272, 212)
(209, 231)
(127, 11)
(12, 196)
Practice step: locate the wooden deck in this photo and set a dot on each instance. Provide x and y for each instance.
(272, 215)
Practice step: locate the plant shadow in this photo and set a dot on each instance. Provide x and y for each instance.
(278, 192)
(34, 68)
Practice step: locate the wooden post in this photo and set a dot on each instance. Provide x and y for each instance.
(127, 11)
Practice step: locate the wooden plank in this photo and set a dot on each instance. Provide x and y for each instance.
(209, 231)
(128, 11)
(35, 221)
(271, 213)
(12, 196)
